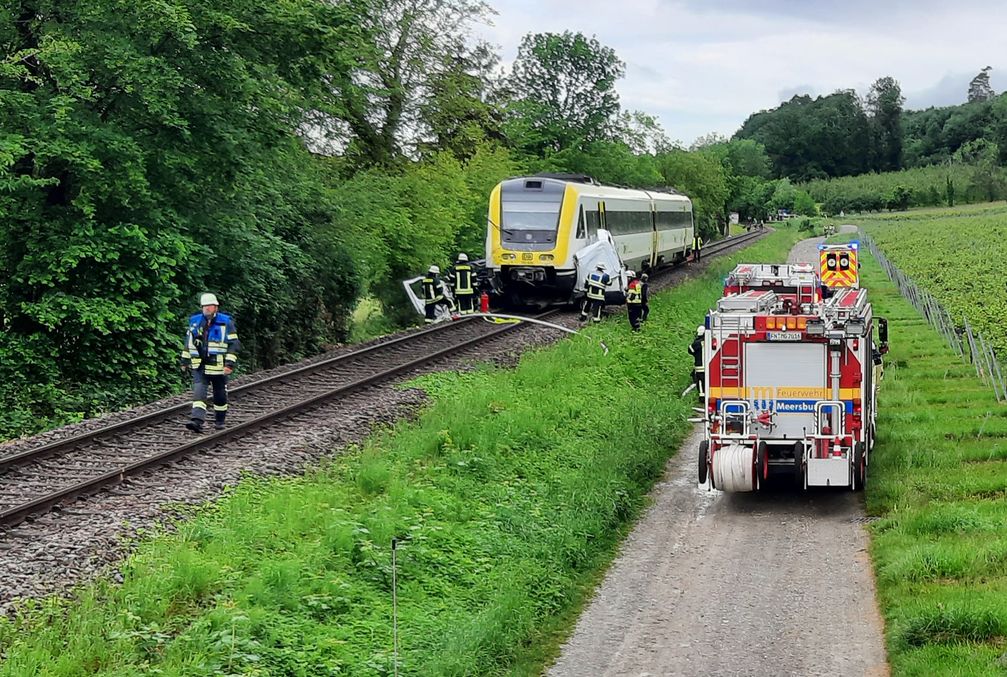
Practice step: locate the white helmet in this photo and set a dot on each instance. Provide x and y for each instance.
(630, 274)
(436, 270)
(600, 266)
(463, 257)
(208, 300)
(700, 330)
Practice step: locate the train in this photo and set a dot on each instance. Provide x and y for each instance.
(546, 233)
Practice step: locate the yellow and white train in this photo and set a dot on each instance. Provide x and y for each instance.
(547, 233)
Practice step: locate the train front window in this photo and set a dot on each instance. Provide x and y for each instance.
(530, 222)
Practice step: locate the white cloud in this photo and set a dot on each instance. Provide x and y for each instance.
(705, 66)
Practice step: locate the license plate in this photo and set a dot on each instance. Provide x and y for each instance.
(784, 335)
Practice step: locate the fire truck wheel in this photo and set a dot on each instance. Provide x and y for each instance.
(704, 460)
(762, 462)
(799, 465)
(860, 466)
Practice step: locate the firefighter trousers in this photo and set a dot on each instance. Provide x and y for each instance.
(592, 307)
(635, 316)
(200, 386)
(466, 303)
(699, 378)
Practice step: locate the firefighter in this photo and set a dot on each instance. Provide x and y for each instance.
(699, 368)
(210, 353)
(634, 300)
(433, 293)
(594, 299)
(645, 296)
(463, 283)
(697, 247)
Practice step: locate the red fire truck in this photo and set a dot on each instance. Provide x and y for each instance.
(790, 382)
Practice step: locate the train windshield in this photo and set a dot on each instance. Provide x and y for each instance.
(529, 222)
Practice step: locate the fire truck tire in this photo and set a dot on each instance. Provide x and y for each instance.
(799, 465)
(704, 460)
(860, 467)
(762, 462)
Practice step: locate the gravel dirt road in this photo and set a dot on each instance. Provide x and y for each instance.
(772, 583)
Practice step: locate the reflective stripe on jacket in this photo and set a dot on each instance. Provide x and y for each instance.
(699, 242)
(596, 284)
(211, 343)
(634, 294)
(432, 290)
(463, 279)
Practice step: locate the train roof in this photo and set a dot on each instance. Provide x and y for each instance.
(587, 185)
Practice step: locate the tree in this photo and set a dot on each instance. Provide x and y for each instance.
(151, 151)
(884, 104)
(564, 86)
(412, 47)
(900, 198)
(979, 86)
(981, 156)
(700, 177)
(462, 109)
(813, 138)
(706, 140)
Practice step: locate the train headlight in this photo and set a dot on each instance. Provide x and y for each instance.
(508, 257)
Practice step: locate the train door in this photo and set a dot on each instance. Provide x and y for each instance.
(655, 241)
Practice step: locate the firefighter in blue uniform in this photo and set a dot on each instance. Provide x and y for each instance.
(463, 283)
(433, 293)
(594, 300)
(210, 353)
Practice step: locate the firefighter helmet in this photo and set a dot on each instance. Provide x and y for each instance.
(208, 300)
(463, 258)
(700, 330)
(630, 274)
(601, 267)
(435, 270)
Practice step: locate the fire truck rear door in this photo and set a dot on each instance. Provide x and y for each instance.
(788, 378)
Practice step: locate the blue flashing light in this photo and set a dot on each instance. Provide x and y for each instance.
(854, 244)
(821, 247)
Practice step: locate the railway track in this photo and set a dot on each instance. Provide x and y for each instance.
(41, 478)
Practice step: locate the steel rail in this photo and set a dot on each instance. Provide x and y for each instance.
(17, 514)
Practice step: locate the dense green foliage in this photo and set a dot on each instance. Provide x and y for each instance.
(148, 152)
(842, 135)
(506, 506)
(956, 255)
(293, 158)
(937, 482)
(939, 185)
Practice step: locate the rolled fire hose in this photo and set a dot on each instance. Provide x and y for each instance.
(734, 468)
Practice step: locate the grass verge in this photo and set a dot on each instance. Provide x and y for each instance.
(508, 495)
(938, 481)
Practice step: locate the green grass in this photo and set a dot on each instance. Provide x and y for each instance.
(957, 255)
(938, 481)
(510, 494)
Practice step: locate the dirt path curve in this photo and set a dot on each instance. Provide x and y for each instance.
(771, 583)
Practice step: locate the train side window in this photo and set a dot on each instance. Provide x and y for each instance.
(581, 225)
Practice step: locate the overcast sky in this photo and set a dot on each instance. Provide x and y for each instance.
(704, 66)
